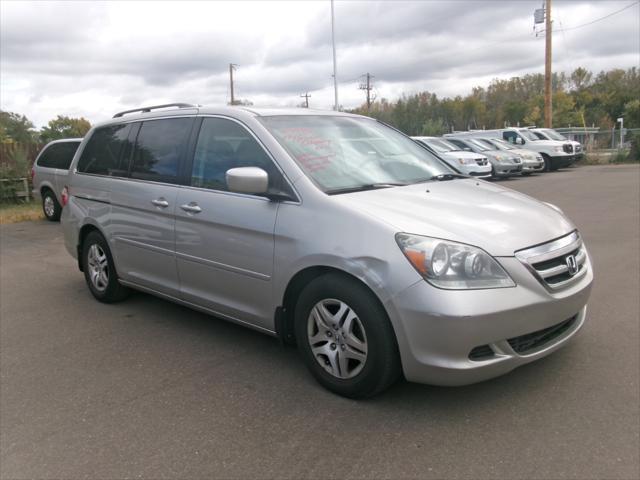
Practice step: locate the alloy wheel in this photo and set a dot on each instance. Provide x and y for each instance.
(98, 267)
(337, 338)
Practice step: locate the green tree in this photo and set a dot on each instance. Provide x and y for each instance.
(631, 114)
(16, 128)
(64, 127)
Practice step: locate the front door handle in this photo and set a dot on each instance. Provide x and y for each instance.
(160, 202)
(191, 207)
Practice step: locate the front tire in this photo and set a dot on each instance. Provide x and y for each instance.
(345, 337)
(50, 206)
(99, 270)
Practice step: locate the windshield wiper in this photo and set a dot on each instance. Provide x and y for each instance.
(363, 188)
(447, 176)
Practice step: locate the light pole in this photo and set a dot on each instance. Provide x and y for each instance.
(621, 121)
(335, 71)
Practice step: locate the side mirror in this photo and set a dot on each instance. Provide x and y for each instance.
(251, 180)
(519, 141)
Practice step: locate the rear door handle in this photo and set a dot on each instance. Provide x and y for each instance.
(160, 202)
(191, 207)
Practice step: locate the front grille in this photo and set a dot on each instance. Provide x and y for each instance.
(531, 341)
(556, 264)
(481, 353)
(481, 161)
(568, 148)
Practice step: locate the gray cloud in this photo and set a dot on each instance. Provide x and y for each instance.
(87, 59)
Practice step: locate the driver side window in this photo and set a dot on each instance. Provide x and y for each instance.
(224, 144)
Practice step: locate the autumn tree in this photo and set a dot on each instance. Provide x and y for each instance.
(64, 127)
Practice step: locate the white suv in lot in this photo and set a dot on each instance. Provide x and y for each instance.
(551, 134)
(329, 230)
(469, 163)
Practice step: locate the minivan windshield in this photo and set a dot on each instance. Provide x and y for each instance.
(553, 135)
(441, 146)
(528, 134)
(500, 144)
(483, 147)
(343, 154)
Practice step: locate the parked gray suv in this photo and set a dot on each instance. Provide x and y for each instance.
(49, 174)
(331, 231)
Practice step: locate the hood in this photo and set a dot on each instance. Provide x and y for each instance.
(462, 154)
(547, 143)
(497, 219)
(525, 153)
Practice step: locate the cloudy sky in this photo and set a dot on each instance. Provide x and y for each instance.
(92, 59)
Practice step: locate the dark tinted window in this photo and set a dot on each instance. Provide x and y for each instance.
(159, 147)
(58, 155)
(510, 136)
(457, 142)
(223, 144)
(103, 153)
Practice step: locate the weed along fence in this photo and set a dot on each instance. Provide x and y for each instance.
(14, 189)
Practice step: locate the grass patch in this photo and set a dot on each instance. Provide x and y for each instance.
(20, 212)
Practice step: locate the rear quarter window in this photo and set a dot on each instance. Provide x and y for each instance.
(58, 155)
(103, 154)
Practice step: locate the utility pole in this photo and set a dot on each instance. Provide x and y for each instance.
(232, 67)
(367, 87)
(335, 70)
(306, 99)
(548, 93)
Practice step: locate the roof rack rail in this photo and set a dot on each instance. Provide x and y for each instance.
(154, 107)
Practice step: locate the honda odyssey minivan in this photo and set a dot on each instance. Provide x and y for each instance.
(328, 230)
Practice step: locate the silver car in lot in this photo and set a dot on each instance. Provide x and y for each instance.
(503, 164)
(465, 162)
(531, 161)
(49, 174)
(331, 231)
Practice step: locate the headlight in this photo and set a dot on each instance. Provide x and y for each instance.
(466, 161)
(558, 149)
(452, 265)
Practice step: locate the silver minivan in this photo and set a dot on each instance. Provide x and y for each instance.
(331, 231)
(49, 174)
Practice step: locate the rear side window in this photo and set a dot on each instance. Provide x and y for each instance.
(103, 153)
(159, 148)
(58, 155)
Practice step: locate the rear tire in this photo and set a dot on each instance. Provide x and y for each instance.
(50, 206)
(99, 270)
(345, 337)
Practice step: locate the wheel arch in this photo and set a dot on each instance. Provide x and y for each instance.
(85, 230)
(284, 319)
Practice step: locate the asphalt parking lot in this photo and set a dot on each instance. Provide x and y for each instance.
(149, 389)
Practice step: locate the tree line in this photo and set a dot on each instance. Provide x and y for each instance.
(580, 99)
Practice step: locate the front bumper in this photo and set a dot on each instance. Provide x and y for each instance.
(441, 328)
(562, 161)
(533, 166)
(507, 169)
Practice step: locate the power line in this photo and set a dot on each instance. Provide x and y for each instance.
(598, 19)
